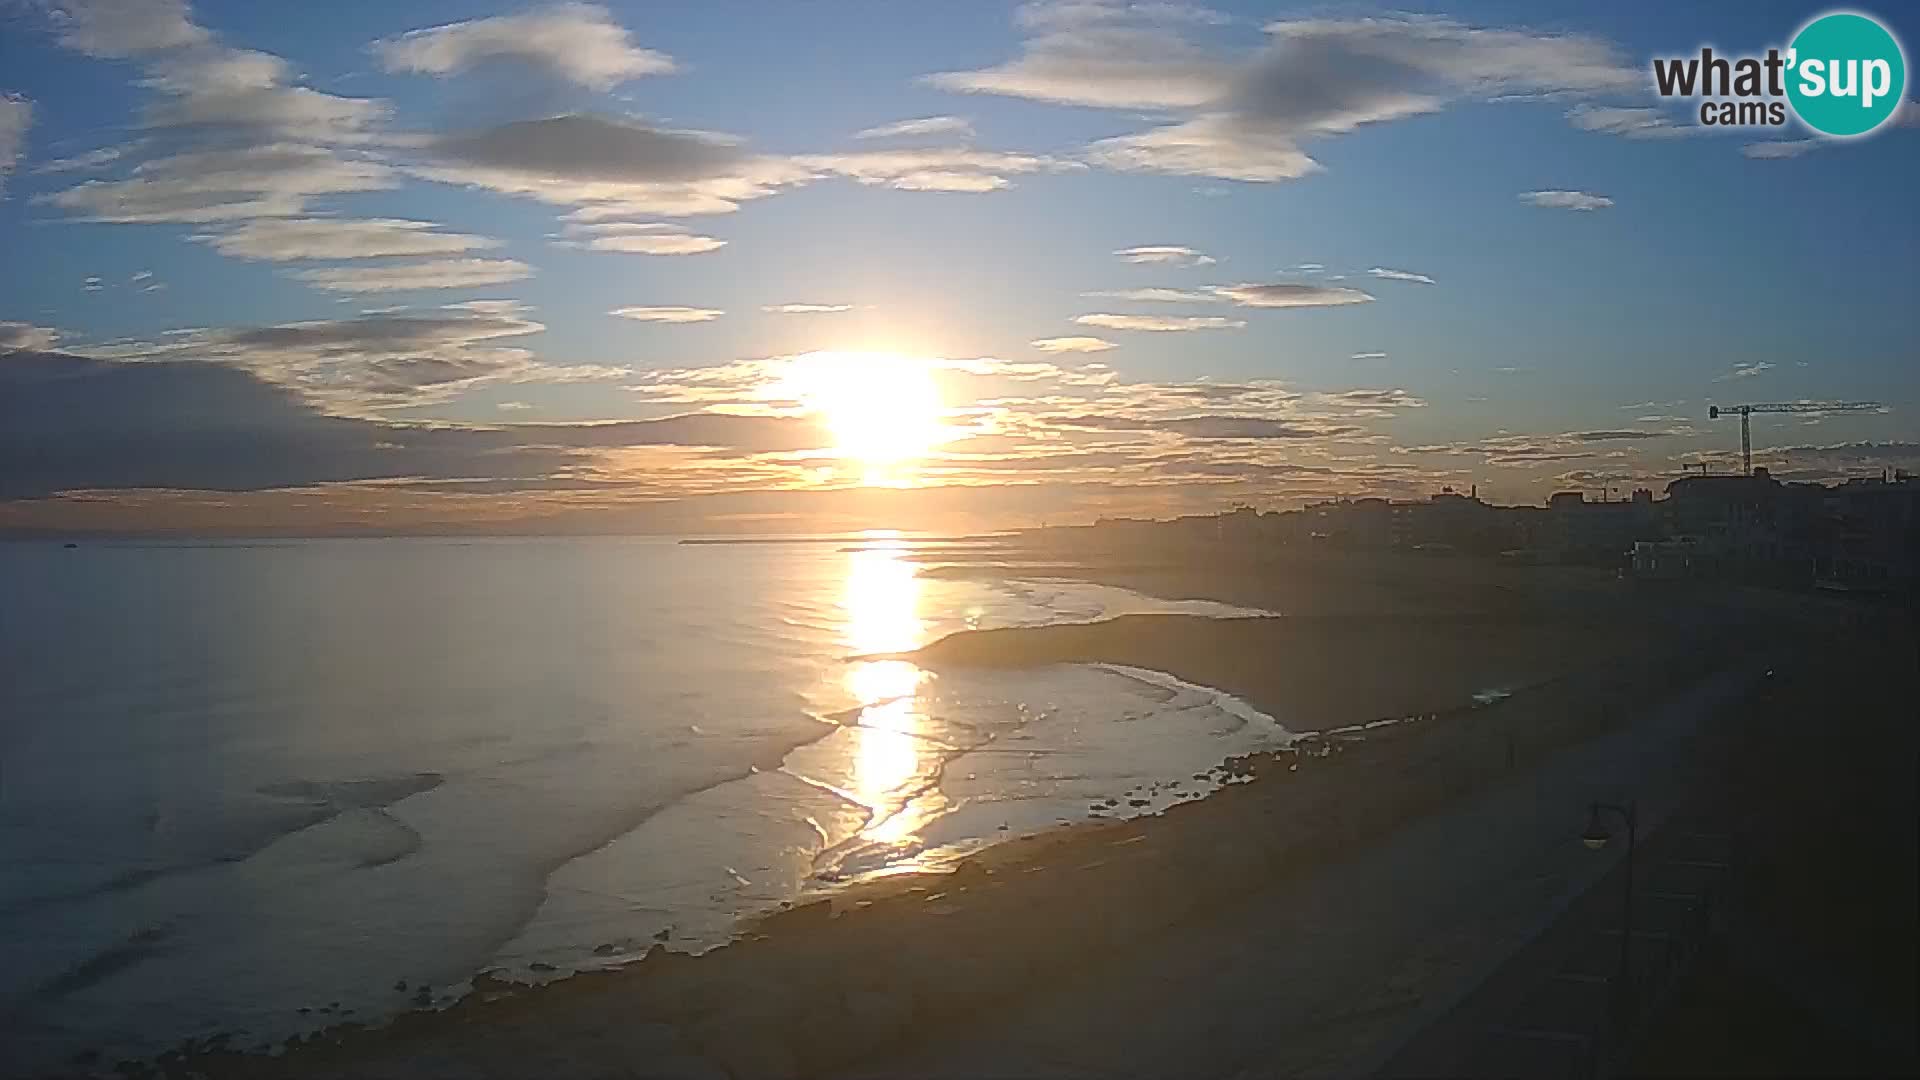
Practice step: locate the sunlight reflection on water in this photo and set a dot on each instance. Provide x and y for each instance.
(882, 602)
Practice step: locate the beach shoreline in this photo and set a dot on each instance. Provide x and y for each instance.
(783, 1000)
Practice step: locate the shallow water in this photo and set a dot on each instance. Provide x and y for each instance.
(242, 781)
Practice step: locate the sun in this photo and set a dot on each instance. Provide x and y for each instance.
(883, 409)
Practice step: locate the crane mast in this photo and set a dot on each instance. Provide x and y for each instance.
(1745, 412)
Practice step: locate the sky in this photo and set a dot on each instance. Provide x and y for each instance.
(723, 267)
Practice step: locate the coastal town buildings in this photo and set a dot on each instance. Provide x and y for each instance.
(1862, 534)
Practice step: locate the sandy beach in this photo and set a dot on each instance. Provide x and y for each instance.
(1479, 696)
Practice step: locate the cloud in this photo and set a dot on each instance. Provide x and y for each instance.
(1617, 436)
(806, 309)
(16, 115)
(1565, 200)
(374, 361)
(92, 159)
(1209, 426)
(1072, 344)
(1289, 295)
(1177, 256)
(19, 335)
(668, 314)
(930, 125)
(640, 238)
(1746, 370)
(611, 168)
(197, 187)
(1778, 149)
(1369, 356)
(956, 169)
(1159, 323)
(1400, 275)
(618, 168)
(1162, 296)
(1245, 115)
(116, 29)
(1632, 122)
(578, 43)
(287, 239)
(427, 274)
(74, 423)
(93, 284)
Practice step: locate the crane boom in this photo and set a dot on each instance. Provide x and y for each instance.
(1745, 411)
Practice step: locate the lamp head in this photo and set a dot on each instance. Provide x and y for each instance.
(1596, 835)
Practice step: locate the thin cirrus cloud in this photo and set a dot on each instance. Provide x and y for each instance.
(615, 168)
(1165, 253)
(640, 238)
(1369, 356)
(287, 239)
(1390, 274)
(1632, 122)
(1289, 295)
(1566, 200)
(806, 309)
(668, 314)
(1159, 323)
(374, 361)
(1245, 115)
(16, 115)
(1156, 295)
(926, 125)
(1072, 344)
(405, 276)
(577, 43)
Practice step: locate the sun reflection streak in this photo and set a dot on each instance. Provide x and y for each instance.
(882, 603)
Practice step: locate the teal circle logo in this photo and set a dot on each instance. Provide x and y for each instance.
(1846, 74)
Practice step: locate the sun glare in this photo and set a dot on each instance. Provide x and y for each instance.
(883, 409)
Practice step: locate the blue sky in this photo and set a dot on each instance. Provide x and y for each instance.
(273, 165)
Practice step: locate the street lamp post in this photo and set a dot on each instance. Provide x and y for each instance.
(1596, 837)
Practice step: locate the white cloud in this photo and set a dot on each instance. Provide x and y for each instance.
(1244, 115)
(1632, 122)
(273, 180)
(92, 284)
(1369, 356)
(579, 43)
(16, 115)
(1400, 275)
(1777, 149)
(1565, 200)
(641, 238)
(92, 159)
(929, 125)
(19, 335)
(668, 314)
(1157, 295)
(122, 28)
(512, 406)
(1746, 370)
(1165, 253)
(1287, 295)
(806, 309)
(376, 361)
(428, 274)
(1072, 344)
(959, 169)
(1159, 323)
(286, 239)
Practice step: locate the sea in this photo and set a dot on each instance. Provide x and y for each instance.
(248, 790)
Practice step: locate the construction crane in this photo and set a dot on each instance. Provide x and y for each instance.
(1714, 412)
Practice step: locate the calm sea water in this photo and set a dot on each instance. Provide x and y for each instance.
(255, 788)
